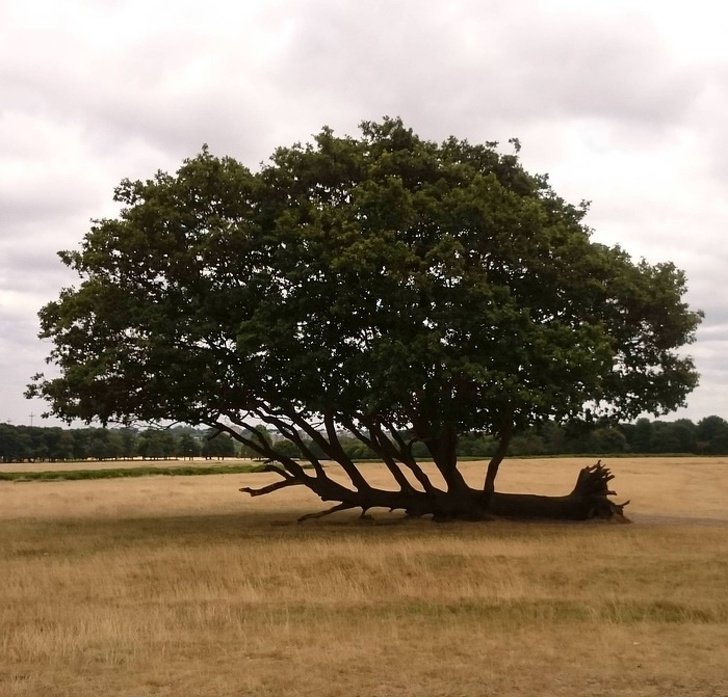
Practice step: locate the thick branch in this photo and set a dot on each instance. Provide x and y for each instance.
(330, 449)
(390, 452)
(377, 442)
(338, 454)
(287, 480)
(405, 455)
(328, 511)
(443, 448)
(270, 488)
(260, 445)
(504, 441)
(290, 433)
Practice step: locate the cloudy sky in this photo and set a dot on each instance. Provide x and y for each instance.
(623, 103)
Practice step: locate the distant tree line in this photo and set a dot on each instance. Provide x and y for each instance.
(709, 436)
(28, 443)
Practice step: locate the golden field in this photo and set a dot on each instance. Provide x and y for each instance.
(183, 586)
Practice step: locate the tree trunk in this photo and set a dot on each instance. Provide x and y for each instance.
(588, 500)
(504, 441)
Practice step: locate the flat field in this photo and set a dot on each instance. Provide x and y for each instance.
(166, 586)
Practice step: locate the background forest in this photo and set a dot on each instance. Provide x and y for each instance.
(709, 436)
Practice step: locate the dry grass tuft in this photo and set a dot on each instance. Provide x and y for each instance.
(184, 587)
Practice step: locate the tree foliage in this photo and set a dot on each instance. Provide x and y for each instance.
(407, 291)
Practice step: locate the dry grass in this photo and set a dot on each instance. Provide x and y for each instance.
(183, 586)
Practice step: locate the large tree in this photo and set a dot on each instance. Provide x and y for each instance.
(385, 286)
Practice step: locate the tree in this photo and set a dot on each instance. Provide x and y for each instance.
(712, 435)
(682, 436)
(15, 444)
(188, 446)
(99, 446)
(59, 444)
(404, 291)
(218, 444)
(673, 436)
(639, 435)
(607, 440)
(156, 444)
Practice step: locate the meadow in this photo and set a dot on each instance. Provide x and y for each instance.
(161, 586)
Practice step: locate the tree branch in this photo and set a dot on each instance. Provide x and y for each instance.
(269, 488)
(260, 445)
(405, 455)
(504, 441)
(389, 453)
(337, 452)
(381, 444)
(328, 511)
(332, 449)
(290, 433)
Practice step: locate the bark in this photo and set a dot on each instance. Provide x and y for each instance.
(443, 448)
(504, 441)
(588, 500)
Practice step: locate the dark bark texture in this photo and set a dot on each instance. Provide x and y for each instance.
(588, 500)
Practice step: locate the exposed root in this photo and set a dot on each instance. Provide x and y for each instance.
(592, 484)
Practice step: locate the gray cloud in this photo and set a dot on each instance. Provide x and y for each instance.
(622, 103)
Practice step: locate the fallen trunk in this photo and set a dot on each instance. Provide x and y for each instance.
(589, 499)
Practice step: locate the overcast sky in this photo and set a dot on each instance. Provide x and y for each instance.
(624, 103)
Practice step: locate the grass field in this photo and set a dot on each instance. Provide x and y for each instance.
(183, 586)
(40, 472)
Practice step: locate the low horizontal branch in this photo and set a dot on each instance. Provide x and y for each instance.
(270, 488)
